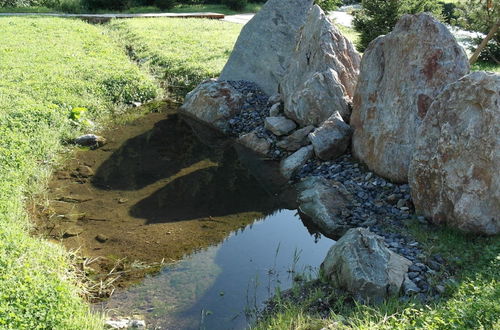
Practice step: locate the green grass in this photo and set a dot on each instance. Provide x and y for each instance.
(49, 67)
(179, 52)
(26, 10)
(471, 300)
(483, 66)
(74, 6)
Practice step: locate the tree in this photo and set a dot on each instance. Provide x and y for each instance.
(483, 16)
(378, 17)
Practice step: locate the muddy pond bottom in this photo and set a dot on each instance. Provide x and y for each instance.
(222, 286)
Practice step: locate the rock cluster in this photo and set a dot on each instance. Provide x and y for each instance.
(454, 174)
(401, 74)
(306, 126)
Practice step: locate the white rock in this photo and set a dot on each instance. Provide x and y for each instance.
(274, 111)
(262, 52)
(279, 125)
(295, 161)
(332, 138)
(401, 73)
(322, 74)
(454, 174)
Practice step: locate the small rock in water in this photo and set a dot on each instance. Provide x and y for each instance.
(124, 324)
(101, 238)
(90, 140)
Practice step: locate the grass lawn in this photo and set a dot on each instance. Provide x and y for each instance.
(75, 7)
(179, 52)
(49, 68)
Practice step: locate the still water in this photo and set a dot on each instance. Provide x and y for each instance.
(220, 287)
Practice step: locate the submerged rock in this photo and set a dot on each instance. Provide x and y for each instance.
(262, 52)
(332, 138)
(323, 201)
(361, 264)
(213, 102)
(322, 74)
(454, 174)
(401, 74)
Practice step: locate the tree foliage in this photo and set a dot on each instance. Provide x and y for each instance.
(378, 17)
(481, 15)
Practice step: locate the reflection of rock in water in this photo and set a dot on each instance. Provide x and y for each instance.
(157, 154)
(186, 178)
(221, 189)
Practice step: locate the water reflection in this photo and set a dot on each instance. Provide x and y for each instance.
(213, 288)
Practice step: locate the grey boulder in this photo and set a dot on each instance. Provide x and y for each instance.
(323, 202)
(332, 138)
(296, 140)
(262, 52)
(401, 74)
(322, 74)
(213, 102)
(279, 125)
(361, 264)
(292, 163)
(454, 174)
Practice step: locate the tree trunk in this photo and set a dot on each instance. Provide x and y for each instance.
(483, 43)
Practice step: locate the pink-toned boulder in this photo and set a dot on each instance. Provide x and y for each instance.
(401, 74)
(455, 171)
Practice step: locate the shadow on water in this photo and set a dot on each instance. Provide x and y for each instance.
(193, 180)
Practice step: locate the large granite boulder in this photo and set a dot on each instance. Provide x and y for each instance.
(361, 264)
(332, 138)
(262, 52)
(322, 74)
(401, 73)
(455, 171)
(213, 102)
(325, 203)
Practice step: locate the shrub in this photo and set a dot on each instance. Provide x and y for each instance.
(104, 4)
(480, 15)
(165, 4)
(327, 5)
(378, 17)
(449, 12)
(235, 4)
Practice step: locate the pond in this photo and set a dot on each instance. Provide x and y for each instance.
(179, 225)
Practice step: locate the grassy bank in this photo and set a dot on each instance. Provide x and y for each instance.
(471, 299)
(50, 69)
(179, 52)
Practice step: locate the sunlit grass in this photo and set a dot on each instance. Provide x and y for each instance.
(179, 52)
(49, 67)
